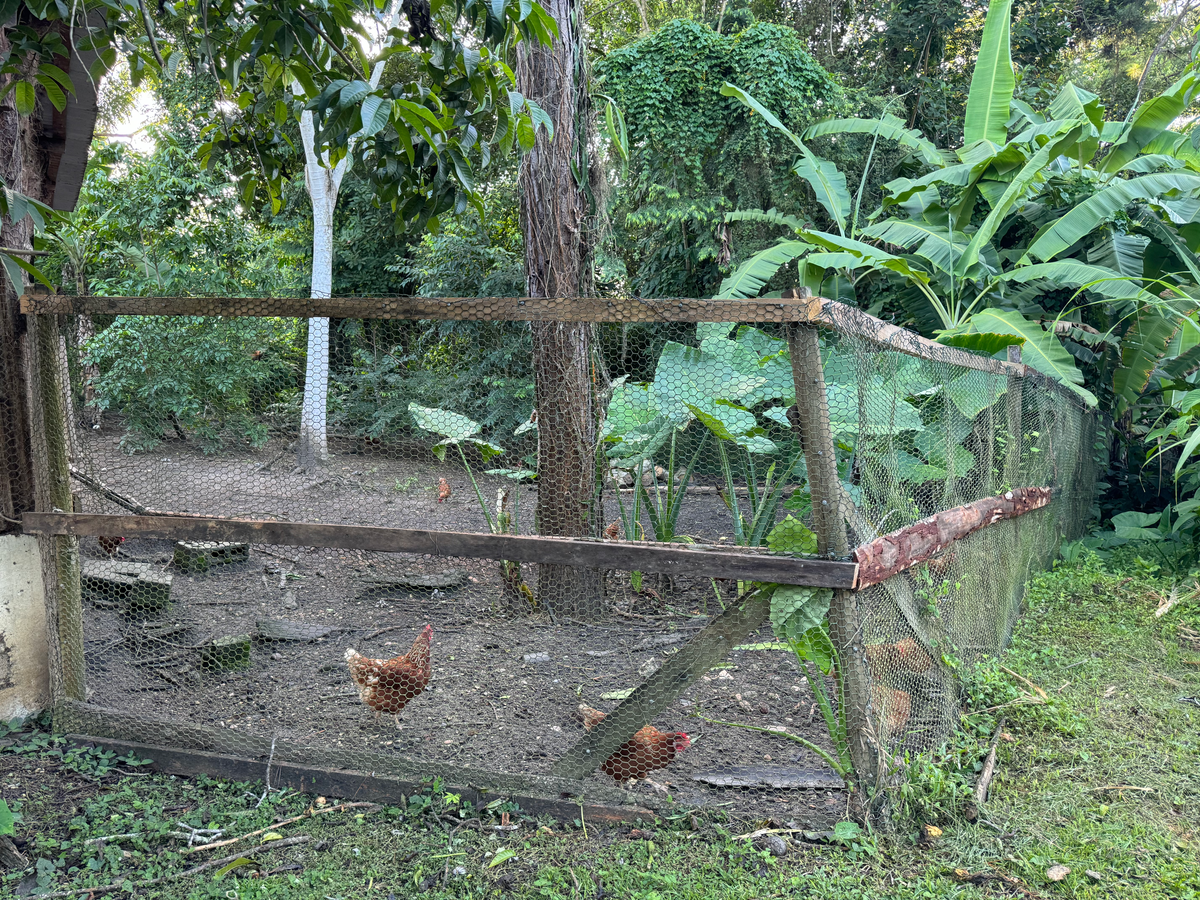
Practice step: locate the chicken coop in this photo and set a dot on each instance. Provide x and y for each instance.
(618, 555)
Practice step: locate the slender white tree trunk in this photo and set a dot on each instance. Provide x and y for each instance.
(323, 184)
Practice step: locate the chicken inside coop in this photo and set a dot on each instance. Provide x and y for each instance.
(649, 749)
(389, 685)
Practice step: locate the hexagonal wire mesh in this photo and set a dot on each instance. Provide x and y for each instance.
(642, 424)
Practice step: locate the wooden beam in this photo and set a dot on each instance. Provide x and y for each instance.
(849, 320)
(832, 508)
(349, 784)
(654, 695)
(698, 560)
(119, 724)
(512, 309)
(907, 547)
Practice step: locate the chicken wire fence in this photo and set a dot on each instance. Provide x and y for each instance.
(574, 675)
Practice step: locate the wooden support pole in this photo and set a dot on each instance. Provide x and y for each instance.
(810, 417)
(678, 673)
(52, 466)
(1016, 415)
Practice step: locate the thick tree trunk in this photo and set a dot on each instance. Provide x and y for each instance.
(558, 263)
(20, 172)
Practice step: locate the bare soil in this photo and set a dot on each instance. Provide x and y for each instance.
(494, 702)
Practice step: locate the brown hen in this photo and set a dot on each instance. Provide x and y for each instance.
(646, 751)
(389, 685)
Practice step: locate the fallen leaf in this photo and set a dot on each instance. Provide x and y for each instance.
(503, 855)
(271, 836)
(236, 864)
(1112, 689)
(1057, 873)
(1093, 874)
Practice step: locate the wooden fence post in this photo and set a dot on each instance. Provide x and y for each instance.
(53, 474)
(810, 418)
(1016, 413)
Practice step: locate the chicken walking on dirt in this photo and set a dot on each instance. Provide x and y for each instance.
(389, 685)
(646, 751)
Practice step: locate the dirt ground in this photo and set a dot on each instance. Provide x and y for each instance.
(503, 688)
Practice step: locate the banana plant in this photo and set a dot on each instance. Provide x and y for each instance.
(1108, 204)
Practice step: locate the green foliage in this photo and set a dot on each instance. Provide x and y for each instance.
(215, 379)
(693, 155)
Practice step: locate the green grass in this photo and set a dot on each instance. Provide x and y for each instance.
(1103, 775)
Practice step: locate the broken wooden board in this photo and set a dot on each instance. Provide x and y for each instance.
(677, 674)
(135, 585)
(414, 581)
(779, 777)
(284, 630)
(368, 785)
(198, 556)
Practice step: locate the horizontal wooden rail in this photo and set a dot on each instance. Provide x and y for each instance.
(675, 559)
(810, 310)
(353, 785)
(852, 321)
(894, 553)
(511, 309)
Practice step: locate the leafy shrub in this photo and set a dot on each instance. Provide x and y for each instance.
(215, 378)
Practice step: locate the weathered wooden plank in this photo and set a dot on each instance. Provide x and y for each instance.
(678, 559)
(832, 508)
(520, 309)
(677, 674)
(910, 546)
(852, 321)
(347, 784)
(118, 724)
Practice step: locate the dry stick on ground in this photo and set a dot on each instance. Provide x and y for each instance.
(304, 815)
(195, 870)
(375, 634)
(270, 759)
(989, 767)
(122, 500)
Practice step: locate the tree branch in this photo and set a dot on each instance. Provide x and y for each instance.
(150, 34)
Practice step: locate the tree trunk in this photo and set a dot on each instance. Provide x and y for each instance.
(323, 184)
(558, 263)
(20, 172)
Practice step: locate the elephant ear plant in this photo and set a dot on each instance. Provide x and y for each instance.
(455, 430)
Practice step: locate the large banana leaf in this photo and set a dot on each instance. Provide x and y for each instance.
(993, 82)
(1141, 348)
(823, 176)
(1151, 119)
(868, 256)
(1120, 252)
(1167, 236)
(829, 184)
(1070, 273)
(1041, 350)
(748, 279)
(1097, 209)
(939, 244)
(771, 217)
(888, 127)
(1033, 171)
